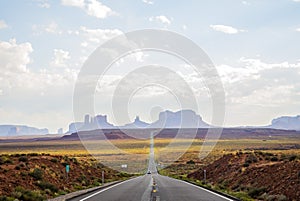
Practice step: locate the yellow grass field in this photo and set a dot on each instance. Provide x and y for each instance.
(167, 150)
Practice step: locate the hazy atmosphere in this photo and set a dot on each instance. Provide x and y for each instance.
(253, 44)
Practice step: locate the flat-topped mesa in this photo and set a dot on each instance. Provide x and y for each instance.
(179, 119)
(286, 123)
(16, 130)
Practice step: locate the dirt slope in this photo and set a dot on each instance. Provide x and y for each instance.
(44, 176)
(258, 173)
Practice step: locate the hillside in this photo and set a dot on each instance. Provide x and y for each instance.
(35, 177)
(262, 175)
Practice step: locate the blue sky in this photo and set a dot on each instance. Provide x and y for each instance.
(255, 46)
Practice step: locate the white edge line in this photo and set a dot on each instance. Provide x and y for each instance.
(105, 189)
(204, 189)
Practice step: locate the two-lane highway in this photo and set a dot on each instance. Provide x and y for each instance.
(152, 187)
(140, 189)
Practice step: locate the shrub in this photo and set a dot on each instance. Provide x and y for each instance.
(46, 185)
(32, 196)
(33, 154)
(65, 164)
(251, 159)
(54, 160)
(292, 157)
(274, 158)
(123, 174)
(18, 167)
(5, 198)
(273, 197)
(255, 192)
(23, 159)
(74, 160)
(23, 174)
(246, 164)
(62, 192)
(81, 178)
(5, 160)
(37, 174)
(27, 195)
(282, 198)
(269, 154)
(190, 162)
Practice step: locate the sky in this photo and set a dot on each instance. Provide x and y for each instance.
(254, 45)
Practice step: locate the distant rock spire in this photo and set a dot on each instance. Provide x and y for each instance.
(87, 119)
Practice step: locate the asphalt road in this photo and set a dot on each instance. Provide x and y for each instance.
(152, 187)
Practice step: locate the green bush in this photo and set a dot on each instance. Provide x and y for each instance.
(18, 167)
(251, 159)
(37, 174)
(23, 159)
(33, 154)
(65, 164)
(46, 185)
(54, 160)
(292, 157)
(256, 192)
(81, 178)
(123, 174)
(62, 192)
(274, 158)
(5, 160)
(5, 198)
(74, 160)
(282, 198)
(191, 162)
(27, 195)
(273, 197)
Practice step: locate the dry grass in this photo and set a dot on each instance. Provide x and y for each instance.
(167, 150)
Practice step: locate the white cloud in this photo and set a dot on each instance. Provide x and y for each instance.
(148, 2)
(91, 7)
(245, 3)
(3, 24)
(161, 19)
(250, 69)
(184, 27)
(75, 3)
(14, 57)
(51, 28)
(28, 95)
(95, 37)
(256, 83)
(298, 28)
(14, 61)
(43, 3)
(60, 58)
(226, 29)
(98, 35)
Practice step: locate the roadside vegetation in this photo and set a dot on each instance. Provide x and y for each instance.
(247, 175)
(37, 177)
(244, 168)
